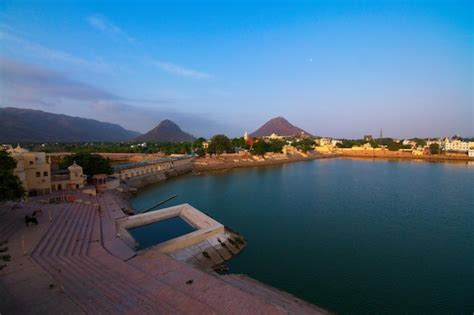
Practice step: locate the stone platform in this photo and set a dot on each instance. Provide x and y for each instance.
(76, 264)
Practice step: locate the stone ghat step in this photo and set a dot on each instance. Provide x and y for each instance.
(286, 301)
(53, 238)
(120, 292)
(68, 243)
(96, 289)
(102, 283)
(46, 241)
(69, 234)
(204, 288)
(13, 219)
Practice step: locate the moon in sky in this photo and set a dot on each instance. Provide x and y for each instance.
(310, 59)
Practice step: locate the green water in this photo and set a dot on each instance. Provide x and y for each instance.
(159, 232)
(353, 236)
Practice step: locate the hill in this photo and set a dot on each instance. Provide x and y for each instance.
(166, 131)
(279, 126)
(29, 125)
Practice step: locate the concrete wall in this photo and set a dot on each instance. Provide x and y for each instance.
(158, 176)
(152, 168)
(112, 182)
(205, 226)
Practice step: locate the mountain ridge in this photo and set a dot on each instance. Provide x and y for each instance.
(33, 125)
(280, 126)
(166, 131)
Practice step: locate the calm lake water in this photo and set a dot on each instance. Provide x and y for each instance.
(353, 236)
(159, 232)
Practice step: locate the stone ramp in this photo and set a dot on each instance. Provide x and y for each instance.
(284, 300)
(218, 296)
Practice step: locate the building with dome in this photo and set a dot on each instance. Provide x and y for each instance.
(70, 179)
(34, 172)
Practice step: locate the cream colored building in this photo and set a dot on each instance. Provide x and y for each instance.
(34, 172)
(274, 136)
(456, 145)
(323, 142)
(470, 153)
(365, 146)
(72, 179)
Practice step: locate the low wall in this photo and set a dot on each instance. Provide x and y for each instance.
(214, 164)
(151, 178)
(205, 226)
(401, 155)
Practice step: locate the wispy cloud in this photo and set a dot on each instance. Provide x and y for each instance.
(31, 86)
(38, 82)
(179, 70)
(102, 24)
(48, 53)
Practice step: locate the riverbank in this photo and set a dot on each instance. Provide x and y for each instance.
(234, 161)
(385, 154)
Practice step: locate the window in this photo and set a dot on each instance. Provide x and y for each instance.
(45, 173)
(38, 174)
(31, 162)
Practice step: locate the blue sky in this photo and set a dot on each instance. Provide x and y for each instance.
(334, 68)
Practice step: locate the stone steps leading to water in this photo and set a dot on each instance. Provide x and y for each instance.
(284, 300)
(81, 253)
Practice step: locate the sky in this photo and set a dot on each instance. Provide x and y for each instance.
(334, 68)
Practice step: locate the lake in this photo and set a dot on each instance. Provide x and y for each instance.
(352, 236)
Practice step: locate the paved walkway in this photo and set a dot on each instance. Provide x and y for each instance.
(76, 264)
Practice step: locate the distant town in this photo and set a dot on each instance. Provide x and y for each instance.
(47, 167)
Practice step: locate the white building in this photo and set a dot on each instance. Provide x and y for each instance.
(334, 143)
(323, 142)
(274, 136)
(456, 145)
(409, 142)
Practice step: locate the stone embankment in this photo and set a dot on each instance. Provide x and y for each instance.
(152, 178)
(386, 154)
(225, 162)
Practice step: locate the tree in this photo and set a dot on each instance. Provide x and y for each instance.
(198, 143)
(238, 142)
(11, 187)
(305, 145)
(219, 144)
(276, 145)
(420, 142)
(200, 151)
(91, 163)
(434, 148)
(260, 148)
